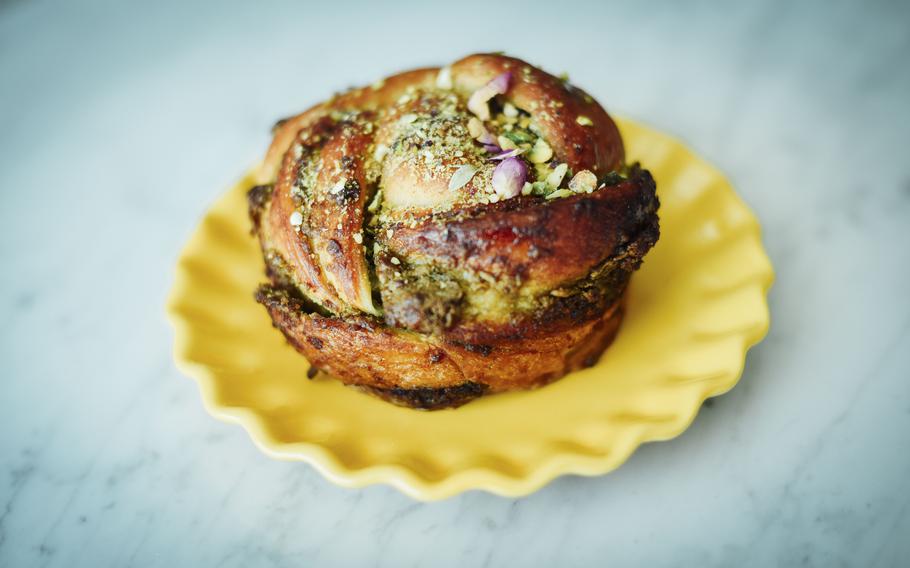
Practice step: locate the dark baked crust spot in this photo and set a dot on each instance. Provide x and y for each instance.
(258, 197)
(428, 398)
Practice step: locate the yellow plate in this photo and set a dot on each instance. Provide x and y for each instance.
(698, 303)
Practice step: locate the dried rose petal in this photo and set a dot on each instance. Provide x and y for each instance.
(502, 155)
(509, 177)
(498, 85)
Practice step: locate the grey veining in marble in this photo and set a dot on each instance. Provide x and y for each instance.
(121, 121)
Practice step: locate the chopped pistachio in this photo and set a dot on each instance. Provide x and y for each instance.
(613, 178)
(584, 182)
(555, 177)
(519, 136)
(394, 260)
(583, 120)
(509, 110)
(506, 143)
(560, 193)
(527, 188)
(375, 202)
(476, 128)
(358, 238)
(487, 276)
(541, 152)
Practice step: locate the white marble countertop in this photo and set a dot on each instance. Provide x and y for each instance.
(121, 121)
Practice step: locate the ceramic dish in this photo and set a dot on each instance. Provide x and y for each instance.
(694, 309)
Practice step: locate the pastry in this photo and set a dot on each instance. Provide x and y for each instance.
(445, 234)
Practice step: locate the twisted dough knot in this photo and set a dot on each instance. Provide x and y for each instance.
(450, 232)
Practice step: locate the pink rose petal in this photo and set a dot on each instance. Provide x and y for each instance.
(502, 155)
(498, 85)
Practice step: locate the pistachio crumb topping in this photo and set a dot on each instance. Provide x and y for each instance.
(460, 141)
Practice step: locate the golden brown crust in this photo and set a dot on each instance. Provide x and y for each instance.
(393, 277)
(392, 362)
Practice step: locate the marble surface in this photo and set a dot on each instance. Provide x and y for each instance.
(120, 122)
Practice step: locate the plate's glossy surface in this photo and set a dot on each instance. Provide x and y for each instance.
(698, 303)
